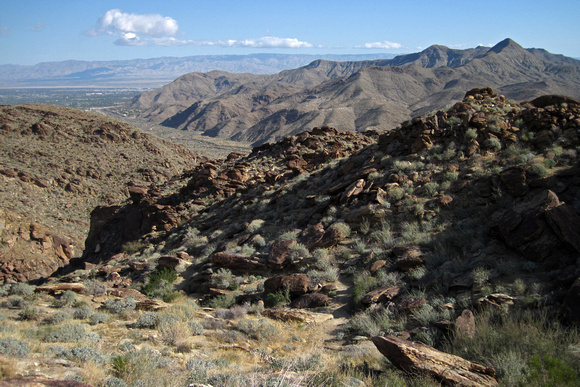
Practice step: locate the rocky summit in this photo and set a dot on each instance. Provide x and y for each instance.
(443, 251)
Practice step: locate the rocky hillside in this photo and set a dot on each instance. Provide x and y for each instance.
(56, 166)
(449, 246)
(354, 96)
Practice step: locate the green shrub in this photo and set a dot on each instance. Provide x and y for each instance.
(224, 301)
(279, 298)
(133, 247)
(492, 144)
(98, 318)
(195, 328)
(83, 313)
(260, 329)
(471, 134)
(14, 347)
(147, 320)
(66, 334)
(160, 284)
(29, 313)
(550, 371)
(59, 317)
(538, 170)
(22, 289)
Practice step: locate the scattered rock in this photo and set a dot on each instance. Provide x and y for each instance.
(450, 369)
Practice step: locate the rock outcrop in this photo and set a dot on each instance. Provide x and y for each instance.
(449, 369)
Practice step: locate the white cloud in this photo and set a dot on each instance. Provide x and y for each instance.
(157, 30)
(382, 45)
(264, 42)
(130, 27)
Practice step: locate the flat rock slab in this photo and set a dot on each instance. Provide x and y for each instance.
(450, 369)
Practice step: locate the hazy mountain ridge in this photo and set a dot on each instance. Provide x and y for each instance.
(363, 95)
(154, 71)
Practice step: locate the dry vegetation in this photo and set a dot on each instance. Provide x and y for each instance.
(406, 234)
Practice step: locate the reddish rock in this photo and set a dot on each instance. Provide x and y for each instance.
(170, 262)
(407, 257)
(527, 226)
(59, 288)
(377, 265)
(312, 300)
(278, 255)
(297, 284)
(383, 295)
(127, 293)
(39, 382)
(236, 262)
(408, 304)
(465, 324)
(514, 180)
(417, 357)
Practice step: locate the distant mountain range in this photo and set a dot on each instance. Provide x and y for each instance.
(353, 95)
(154, 72)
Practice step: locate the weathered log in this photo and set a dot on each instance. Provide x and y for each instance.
(418, 357)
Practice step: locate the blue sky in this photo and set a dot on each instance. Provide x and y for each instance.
(37, 31)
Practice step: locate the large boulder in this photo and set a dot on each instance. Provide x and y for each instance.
(297, 284)
(536, 227)
(312, 300)
(416, 357)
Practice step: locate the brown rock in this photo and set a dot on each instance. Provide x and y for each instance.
(353, 190)
(312, 300)
(514, 180)
(287, 314)
(408, 304)
(39, 382)
(236, 262)
(496, 300)
(377, 265)
(418, 357)
(62, 287)
(380, 295)
(278, 255)
(465, 324)
(525, 226)
(408, 257)
(151, 305)
(127, 293)
(170, 262)
(297, 284)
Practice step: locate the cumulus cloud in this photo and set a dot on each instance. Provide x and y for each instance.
(157, 30)
(131, 27)
(383, 45)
